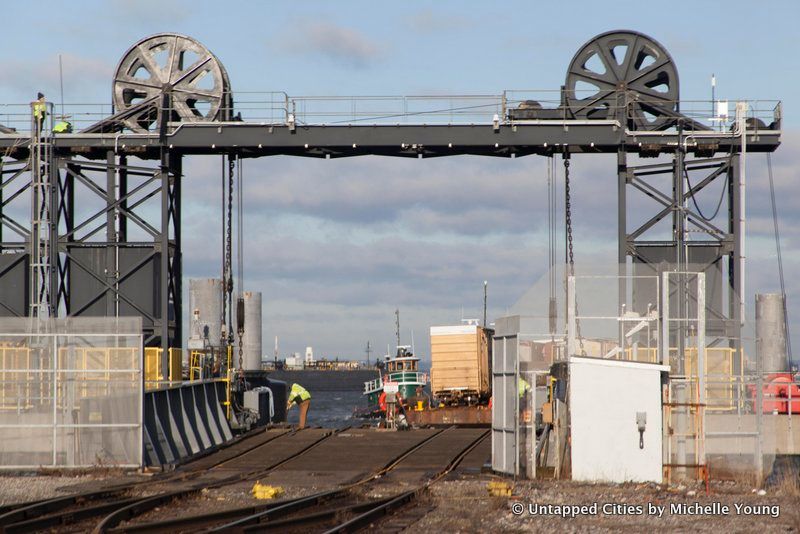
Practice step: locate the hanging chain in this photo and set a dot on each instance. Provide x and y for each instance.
(568, 216)
(224, 312)
(241, 354)
(239, 265)
(229, 251)
(570, 252)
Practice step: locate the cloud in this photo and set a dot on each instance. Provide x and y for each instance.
(82, 75)
(345, 46)
(466, 197)
(427, 21)
(470, 196)
(149, 13)
(312, 290)
(336, 245)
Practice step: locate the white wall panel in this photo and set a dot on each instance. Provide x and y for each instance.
(605, 396)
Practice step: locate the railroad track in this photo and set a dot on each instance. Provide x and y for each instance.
(276, 509)
(11, 513)
(116, 503)
(325, 510)
(389, 510)
(318, 511)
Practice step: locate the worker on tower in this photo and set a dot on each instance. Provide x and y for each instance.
(39, 111)
(299, 395)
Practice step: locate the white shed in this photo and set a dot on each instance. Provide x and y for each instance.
(609, 401)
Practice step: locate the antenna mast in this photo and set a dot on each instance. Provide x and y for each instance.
(61, 82)
(368, 351)
(397, 324)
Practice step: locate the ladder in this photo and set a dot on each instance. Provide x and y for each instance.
(41, 239)
(684, 424)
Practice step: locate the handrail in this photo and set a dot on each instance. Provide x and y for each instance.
(277, 107)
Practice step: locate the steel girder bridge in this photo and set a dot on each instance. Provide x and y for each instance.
(90, 220)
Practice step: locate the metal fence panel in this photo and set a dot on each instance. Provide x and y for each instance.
(504, 412)
(70, 392)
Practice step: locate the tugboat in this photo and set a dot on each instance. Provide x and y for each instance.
(402, 369)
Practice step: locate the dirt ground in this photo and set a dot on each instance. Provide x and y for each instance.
(466, 506)
(32, 487)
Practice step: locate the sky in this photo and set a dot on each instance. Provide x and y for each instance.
(336, 246)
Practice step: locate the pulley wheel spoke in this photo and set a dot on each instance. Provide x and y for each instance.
(593, 79)
(592, 102)
(196, 92)
(145, 56)
(650, 96)
(143, 84)
(634, 50)
(191, 74)
(649, 70)
(609, 61)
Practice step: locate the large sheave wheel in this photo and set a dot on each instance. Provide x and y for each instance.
(196, 81)
(623, 74)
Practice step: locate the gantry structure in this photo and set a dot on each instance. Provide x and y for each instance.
(90, 217)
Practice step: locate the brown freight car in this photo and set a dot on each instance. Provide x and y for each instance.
(460, 364)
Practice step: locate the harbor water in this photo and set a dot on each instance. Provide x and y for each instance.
(334, 408)
(331, 409)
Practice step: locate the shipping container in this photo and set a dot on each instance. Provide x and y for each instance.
(460, 363)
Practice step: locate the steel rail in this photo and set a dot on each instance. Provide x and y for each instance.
(11, 507)
(324, 515)
(196, 522)
(24, 512)
(194, 463)
(367, 518)
(40, 508)
(305, 502)
(61, 519)
(271, 510)
(148, 503)
(378, 508)
(28, 510)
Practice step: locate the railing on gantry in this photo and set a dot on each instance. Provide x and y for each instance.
(279, 108)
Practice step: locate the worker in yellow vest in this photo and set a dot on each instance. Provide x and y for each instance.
(522, 386)
(39, 111)
(300, 396)
(62, 127)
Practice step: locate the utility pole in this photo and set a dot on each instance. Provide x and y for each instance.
(485, 289)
